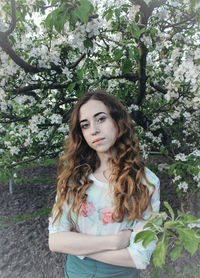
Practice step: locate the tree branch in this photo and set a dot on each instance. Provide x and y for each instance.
(142, 73)
(146, 12)
(77, 62)
(12, 118)
(190, 18)
(158, 88)
(129, 76)
(4, 43)
(13, 21)
(17, 59)
(29, 88)
(157, 4)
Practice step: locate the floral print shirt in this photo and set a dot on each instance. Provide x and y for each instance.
(96, 218)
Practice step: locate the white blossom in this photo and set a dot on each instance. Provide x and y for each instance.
(169, 120)
(133, 107)
(55, 119)
(194, 225)
(176, 142)
(176, 178)
(14, 150)
(181, 156)
(28, 141)
(183, 186)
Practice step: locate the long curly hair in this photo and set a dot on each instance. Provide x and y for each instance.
(131, 196)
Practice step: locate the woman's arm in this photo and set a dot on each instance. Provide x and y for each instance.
(115, 257)
(80, 244)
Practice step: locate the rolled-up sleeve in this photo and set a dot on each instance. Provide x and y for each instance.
(61, 224)
(140, 255)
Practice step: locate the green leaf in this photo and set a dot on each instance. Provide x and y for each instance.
(84, 10)
(146, 237)
(131, 53)
(169, 224)
(136, 54)
(156, 221)
(53, 2)
(109, 15)
(80, 73)
(95, 72)
(88, 43)
(160, 253)
(60, 22)
(49, 20)
(190, 219)
(73, 18)
(126, 66)
(175, 253)
(135, 30)
(138, 34)
(153, 31)
(57, 18)
(118, 54)
(135, 27)
(189, 239)
(167, 205)
(71, 87)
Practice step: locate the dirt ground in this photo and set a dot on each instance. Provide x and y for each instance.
(24, 249)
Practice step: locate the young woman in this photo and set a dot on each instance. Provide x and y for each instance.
(105, 195)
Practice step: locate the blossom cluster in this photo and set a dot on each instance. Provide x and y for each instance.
(34, 109)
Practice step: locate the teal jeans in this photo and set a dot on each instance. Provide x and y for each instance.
(88, 268)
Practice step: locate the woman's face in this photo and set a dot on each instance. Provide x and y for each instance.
(98, 128)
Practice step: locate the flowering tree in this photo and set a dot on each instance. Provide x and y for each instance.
(146, 52)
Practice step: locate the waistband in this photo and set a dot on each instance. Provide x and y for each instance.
(89, 268)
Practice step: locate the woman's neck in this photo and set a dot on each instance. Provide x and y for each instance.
(103, 172)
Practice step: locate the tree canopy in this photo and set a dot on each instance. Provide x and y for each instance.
(146, 52)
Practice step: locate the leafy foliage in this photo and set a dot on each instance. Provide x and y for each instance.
(180, 233)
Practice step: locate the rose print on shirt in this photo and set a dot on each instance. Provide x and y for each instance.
(87, 209)
(106, 215)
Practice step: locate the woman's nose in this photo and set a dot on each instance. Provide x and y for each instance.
(94, 128)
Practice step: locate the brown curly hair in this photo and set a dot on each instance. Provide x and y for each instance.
(131, 196)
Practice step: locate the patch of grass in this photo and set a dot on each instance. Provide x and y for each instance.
(34, 180)
(4, 176)
(38, 163)
(5, 222)
(30, 180)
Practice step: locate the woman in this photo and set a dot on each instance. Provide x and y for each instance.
(105, 195)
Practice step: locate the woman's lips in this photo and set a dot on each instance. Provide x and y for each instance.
(97, 140)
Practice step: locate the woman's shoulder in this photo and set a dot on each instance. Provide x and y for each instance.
(151, 177)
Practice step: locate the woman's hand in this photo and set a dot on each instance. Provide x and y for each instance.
(123, 239)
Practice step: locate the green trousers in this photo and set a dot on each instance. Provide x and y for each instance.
(88, 268)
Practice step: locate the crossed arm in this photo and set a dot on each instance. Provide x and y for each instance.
(109, 249)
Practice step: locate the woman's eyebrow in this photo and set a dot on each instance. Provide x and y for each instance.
(95, 115)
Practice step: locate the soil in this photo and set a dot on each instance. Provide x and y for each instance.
(24, 251)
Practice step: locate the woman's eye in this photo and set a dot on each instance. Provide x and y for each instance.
(102, 119)
(84, 126)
